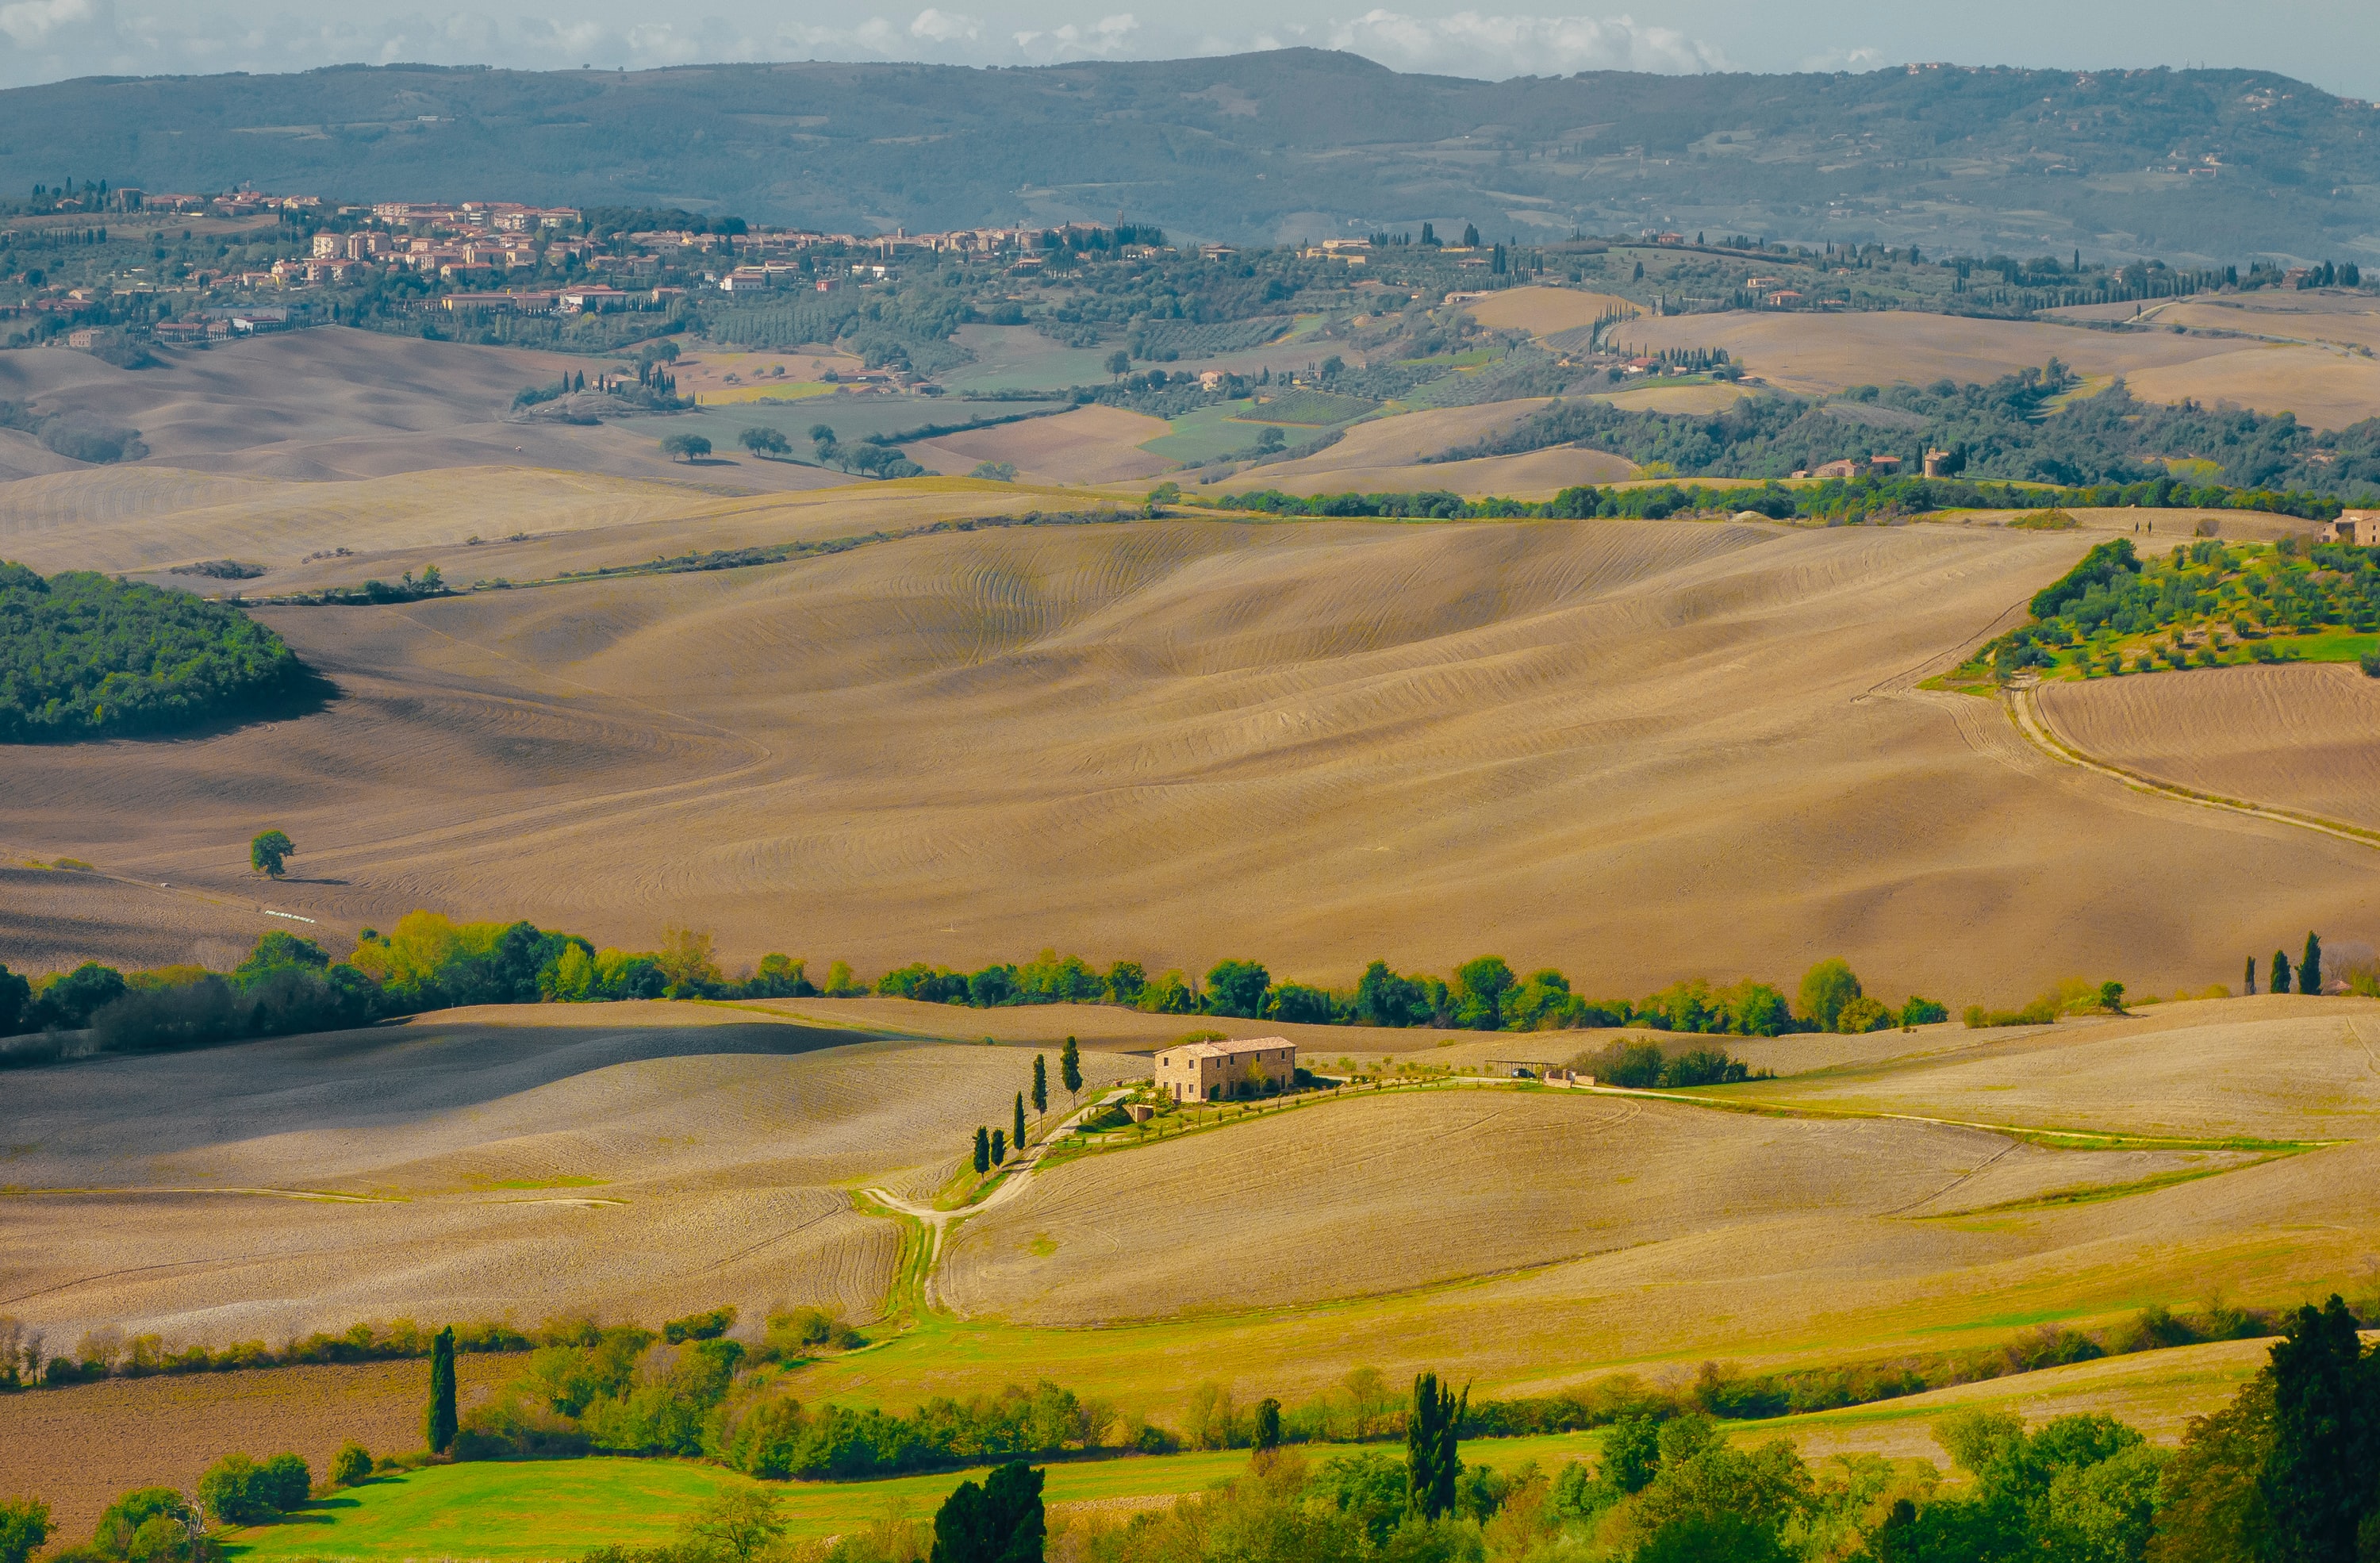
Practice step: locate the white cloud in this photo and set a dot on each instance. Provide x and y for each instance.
(30, 22)
(1852, 59)
(1467, 43)
(944, 27)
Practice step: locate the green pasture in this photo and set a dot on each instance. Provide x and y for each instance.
(525, 1510)
(2317, 646)
(1206, 435)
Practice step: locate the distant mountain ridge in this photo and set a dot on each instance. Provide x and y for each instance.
(2200, 166)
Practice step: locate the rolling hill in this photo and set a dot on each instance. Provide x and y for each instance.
(1973, 159)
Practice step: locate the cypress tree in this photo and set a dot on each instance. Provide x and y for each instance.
(982, 1150)
(1267, 1423)
(1016, 1134)
(2316, 1479)
(999, 1148)
(2252, 973)
(438, 1425)
(2280, 980)
(1069, 1067)
(1430, 1462)
(1041, 1084)
(2309, 967)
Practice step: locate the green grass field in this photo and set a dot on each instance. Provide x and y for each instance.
(525, 1509)
(535, 1509)
(1207, 434)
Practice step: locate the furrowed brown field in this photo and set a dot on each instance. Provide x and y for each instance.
(2305, 737)
(1638, 751)
(645, 1158)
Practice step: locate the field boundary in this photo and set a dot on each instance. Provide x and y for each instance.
(2024, 711)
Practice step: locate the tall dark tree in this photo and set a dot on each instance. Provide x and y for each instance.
(2309, 967)
(1016, 1129)
(982, 1149)
(2252, 973)
(2317, 1480)
(1431, 1465)
(998, 1522)
(2280, 980)
(438, 1423)
(1069, 1067)
(999, 1147)
(1267, 1423)
(1041, 1084)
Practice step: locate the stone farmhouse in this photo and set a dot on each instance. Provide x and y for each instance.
(1210, 1071)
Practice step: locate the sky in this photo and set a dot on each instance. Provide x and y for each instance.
(2334, 44)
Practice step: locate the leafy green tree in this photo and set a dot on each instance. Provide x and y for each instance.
(2309, 967)
(287, 1481)
(2280, 980)
(760, 439)
(1237, 988)
(1713, 1538)
(237, 1491)
(438, 1423)
(1480, 985)
(2112, 997)
(1632, 1453)
(1267, 1423)
(269, 852)
(1432, 1463)
(2212, 1501)
(687, 447)
(15, 1001)
(24, 1526)
(1069, 1067)
(350, 1465)
(2317, 1480)
(1119, 363)
(1825, 988)
(982, 1150)
(1000, 1522)
(739, 1523)
(1041, 1084)
(1016, 1132)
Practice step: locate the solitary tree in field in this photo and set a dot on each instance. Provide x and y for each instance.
(439, 1424)
(687, 447)
(1119, 363)
(2252, 973)
(1041, 1084)
(999, 1148)
(2309, 967)
(268, 853)
(2112, 997)
(764, 441)
(1070, 1068)
(1016, 1135)
(2279, 982)
(737, 1523)
(1267, 1423)
(982, 1150)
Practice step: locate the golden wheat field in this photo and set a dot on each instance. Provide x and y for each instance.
(1321, 1204)
(645, 1159)
(1637, 751)
(1534, 475)
(1407, 438)
(2304, 737)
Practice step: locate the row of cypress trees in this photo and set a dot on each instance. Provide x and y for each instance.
(2308, 971)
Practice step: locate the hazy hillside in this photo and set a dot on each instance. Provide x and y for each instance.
(1283, 145)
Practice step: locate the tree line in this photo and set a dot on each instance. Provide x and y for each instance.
(288, 984)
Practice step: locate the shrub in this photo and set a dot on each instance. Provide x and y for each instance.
(1922, 1012)
(1861, 1014)
(700, 1327)
(237, 1491)
(24, 1526)
(350, 1465)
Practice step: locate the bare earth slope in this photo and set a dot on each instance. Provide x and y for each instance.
(640, 1158)
(1307, 1207)
(1638, 750)
(2304, 737)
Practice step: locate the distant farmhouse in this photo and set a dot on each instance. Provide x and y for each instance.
(1209, 1071)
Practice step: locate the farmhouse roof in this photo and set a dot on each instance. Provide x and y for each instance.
(1231, 1048)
